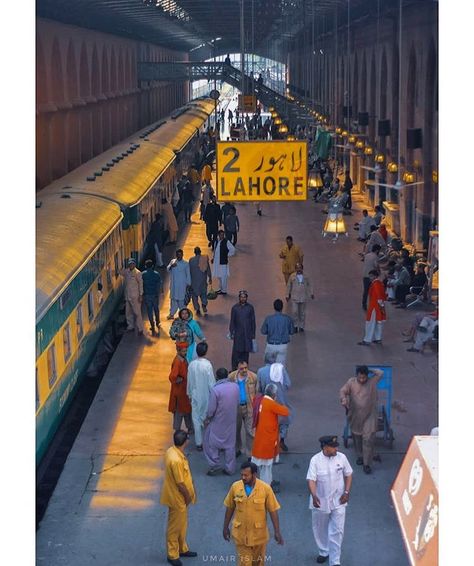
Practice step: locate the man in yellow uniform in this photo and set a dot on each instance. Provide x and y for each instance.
(250, 499)
(291, 254)
(177, 494)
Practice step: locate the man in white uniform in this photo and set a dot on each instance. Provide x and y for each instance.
(220, 263)
(329, 480)
(200, 382)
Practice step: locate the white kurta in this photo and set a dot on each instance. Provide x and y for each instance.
(180, 278)
(200, 382)
(219, 270)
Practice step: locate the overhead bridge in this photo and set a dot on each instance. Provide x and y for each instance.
(210, 71)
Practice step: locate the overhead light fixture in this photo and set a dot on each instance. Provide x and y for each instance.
(271, 109)
(392, 167)
(338, 130)
(360, 144)
(434, 177)
(274, 114)
(344, 133)
(368, 150)
(351, 139)
(278, 121)
(408, 177)
(379, 158)
(291, 137)
(283, 129)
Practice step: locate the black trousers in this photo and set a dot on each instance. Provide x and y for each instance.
(211, 233)
(232, 237)
(238, 356)
(401, 291)
(366, 281)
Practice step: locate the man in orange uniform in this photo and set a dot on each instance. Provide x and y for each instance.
(376, 315)
(267, 439)
(177, 493)
(251, 499)
(179, 403)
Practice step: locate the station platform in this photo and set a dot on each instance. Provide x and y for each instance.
(105, 509)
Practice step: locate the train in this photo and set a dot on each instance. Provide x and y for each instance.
(87, 224)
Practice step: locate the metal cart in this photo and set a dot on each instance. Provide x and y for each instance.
(384, 406)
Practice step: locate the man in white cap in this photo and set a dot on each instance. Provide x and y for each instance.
(133, 296)
(329, 481)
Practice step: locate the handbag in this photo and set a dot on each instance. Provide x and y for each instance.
(211, 294)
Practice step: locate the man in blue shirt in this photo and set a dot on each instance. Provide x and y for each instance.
(151, 289)
(278, 328)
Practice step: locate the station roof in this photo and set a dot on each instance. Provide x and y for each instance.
(193, 25)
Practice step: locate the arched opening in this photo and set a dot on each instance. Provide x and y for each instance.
(72, 84)
(395, 101)
(105, 72)
(383, 96)
(73, 140)
(41, 75)
(372, 99)
(410, 101)
(113, 72)
(43, 153)
(355, 88)
(57, 78)
(121, 72)
(428, 191)
(95, 73)
(58, 147)
(363, 85)
(84, 82)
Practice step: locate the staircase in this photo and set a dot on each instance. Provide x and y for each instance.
(210, 71)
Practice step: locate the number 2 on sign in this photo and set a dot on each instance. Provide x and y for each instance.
(228, 167)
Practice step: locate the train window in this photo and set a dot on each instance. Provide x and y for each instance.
(109, 278)
(116, 263)
(37, 391)
(64, 298)
(90, 305)
(67, 342)
(80, 327)
(52, 374)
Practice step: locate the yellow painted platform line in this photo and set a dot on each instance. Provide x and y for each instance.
(131, 471)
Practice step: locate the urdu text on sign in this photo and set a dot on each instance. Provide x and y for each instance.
(262, 170)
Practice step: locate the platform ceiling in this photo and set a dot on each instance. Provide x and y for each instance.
(192, 25)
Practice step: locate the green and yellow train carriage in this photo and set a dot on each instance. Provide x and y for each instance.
(78, 246)
(78, 249)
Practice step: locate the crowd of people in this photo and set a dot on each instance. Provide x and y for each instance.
(245, 412)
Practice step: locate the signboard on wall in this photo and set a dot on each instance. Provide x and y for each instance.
(415, 495)
(262, 170)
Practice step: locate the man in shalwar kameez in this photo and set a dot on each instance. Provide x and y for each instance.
(266, 442)
(200, 382)
(376, 315)
(180, 279)
(221, 424)
(179, 403)
(242, 328)
(220, 262)
(359, 397)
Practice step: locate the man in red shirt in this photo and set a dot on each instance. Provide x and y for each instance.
(376, 315)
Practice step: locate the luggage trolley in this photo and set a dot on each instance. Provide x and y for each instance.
(384, 407)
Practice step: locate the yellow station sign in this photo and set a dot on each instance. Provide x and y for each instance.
(262, 170)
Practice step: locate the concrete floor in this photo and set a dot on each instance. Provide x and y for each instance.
(105, 509)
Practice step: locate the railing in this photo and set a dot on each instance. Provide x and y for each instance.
(219, 71)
